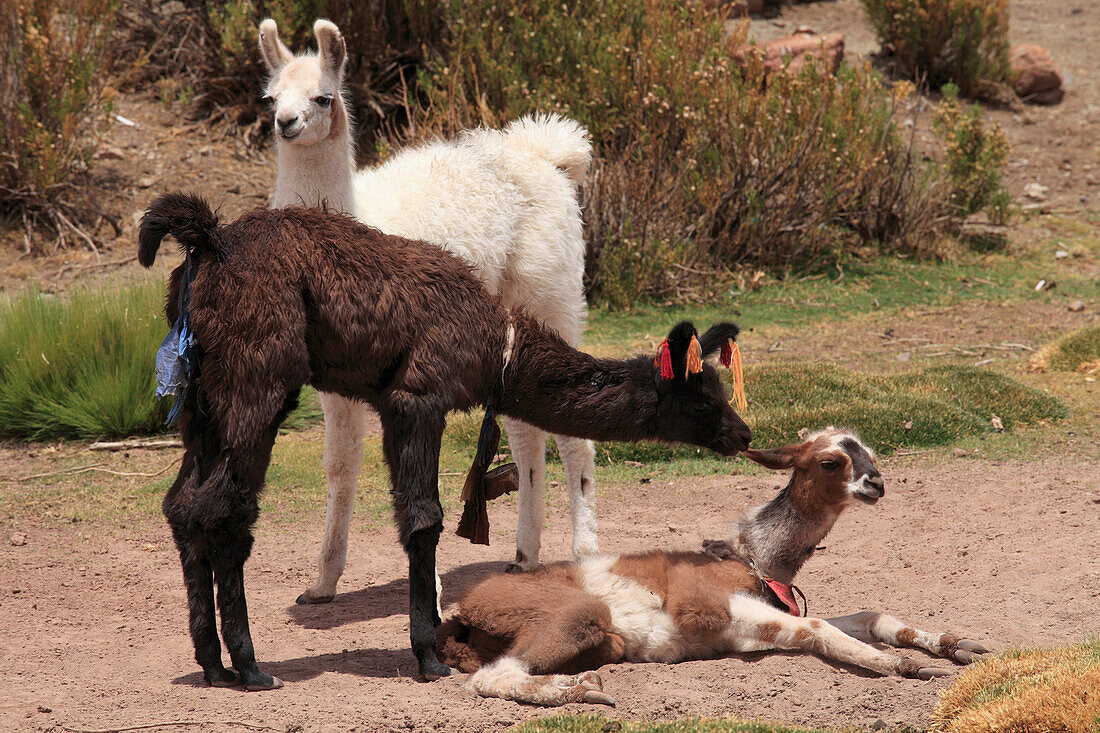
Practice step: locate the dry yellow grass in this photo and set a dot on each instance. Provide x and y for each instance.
(1030, 690)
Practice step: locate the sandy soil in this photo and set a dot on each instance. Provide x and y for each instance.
(93, 618)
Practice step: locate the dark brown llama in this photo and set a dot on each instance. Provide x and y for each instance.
(282, 298)
(527, 637)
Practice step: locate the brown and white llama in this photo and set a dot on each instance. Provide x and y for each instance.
(505, 201)
(282, 298)
(531, 638)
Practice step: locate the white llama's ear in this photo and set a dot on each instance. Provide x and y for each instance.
(275, 54)
(331, 46)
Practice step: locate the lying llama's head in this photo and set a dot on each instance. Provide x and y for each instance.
(835, 463)
(691, 403)
(304, 91)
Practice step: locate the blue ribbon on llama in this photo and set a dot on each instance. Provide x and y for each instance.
(178, 353)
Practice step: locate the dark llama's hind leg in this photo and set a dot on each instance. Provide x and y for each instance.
(197, 578)
(412, 433)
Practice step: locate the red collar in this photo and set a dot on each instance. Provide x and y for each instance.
(785, 593)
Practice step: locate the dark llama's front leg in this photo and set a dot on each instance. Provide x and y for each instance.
(229, 575)
(411, 438)
(423, 613)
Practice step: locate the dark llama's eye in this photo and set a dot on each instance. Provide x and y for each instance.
(323, 101)
(829, 465)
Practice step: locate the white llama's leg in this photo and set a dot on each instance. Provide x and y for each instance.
(345, 425)
(528, 445)
(578, 460)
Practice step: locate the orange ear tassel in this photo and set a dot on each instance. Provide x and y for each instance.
(664, 361)
(694, 357)
(737, 375)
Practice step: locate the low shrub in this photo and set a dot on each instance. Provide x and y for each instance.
(54, 103)
(936, 42)
(974, 156)
(1025, 690)
(704, 164)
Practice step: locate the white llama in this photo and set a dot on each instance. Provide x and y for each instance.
(503, 200)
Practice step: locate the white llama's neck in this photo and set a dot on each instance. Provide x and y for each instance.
(311, 174)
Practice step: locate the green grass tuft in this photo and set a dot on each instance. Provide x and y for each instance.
(932, 407)
(81, 367)
(1026, 689)
(1076, 351)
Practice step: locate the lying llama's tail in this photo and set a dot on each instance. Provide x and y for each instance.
(562, 141)
(187, 217)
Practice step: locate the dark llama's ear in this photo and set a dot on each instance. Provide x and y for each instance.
(331, 46)
(718, 336)
(275, 54)
(777, 460)
(674, 355)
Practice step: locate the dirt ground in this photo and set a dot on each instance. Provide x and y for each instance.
(93, 618)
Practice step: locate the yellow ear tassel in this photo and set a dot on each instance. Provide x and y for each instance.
(738, 377)
(694, 357)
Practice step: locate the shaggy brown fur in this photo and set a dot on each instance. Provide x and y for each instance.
(520, 635)
(286, 297)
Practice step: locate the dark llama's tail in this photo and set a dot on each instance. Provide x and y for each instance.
(185, 216)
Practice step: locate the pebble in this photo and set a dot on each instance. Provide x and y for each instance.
(1075, 307)
(1036, 191)
(18, 539)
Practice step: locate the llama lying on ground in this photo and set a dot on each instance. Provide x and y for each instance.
(526, 637)
(504, 201)
(282, 298)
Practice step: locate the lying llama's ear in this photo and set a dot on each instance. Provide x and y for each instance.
(275, 54)
(330, 44)
(777, 460)
(679, 354)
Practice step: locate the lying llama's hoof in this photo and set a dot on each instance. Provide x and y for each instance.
(599, 697)
(262, 681)
(306, 599)
(927, 673)
(222, 678)
(965, 651)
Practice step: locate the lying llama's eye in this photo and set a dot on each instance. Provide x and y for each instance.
(323, 101)
(267, 99)
(829, 465)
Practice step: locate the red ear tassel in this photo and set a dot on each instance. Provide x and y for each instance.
(664, 360)
(727, 354)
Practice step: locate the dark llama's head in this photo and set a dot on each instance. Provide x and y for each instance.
(691, 402)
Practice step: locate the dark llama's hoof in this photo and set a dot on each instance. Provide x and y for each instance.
(306, 599)
(433, 669)
(222, 678)
(261, 681)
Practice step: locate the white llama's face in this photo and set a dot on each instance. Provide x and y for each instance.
(304, 99)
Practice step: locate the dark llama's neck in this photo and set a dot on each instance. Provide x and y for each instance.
(555, 387)
(780, 536)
